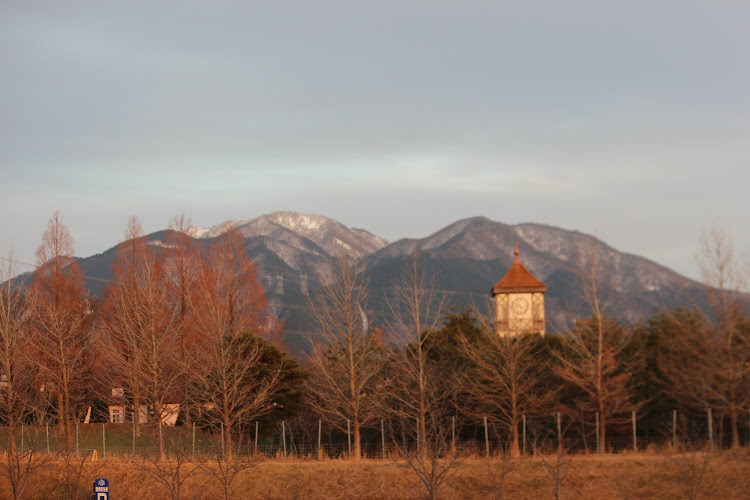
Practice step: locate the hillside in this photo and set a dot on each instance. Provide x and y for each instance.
(293, 254)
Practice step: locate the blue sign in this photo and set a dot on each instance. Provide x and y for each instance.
(101, 489)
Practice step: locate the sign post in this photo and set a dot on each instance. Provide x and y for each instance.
(101, 489)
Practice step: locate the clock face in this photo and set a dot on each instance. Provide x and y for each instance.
(519, 305)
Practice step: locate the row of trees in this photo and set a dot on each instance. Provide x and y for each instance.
(416, 371)
(177, 324)
(188, 325)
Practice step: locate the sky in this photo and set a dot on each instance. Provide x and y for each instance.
(626, 120)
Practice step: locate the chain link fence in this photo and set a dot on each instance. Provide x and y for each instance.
(307, 440)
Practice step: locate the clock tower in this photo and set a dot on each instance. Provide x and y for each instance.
(518, 302)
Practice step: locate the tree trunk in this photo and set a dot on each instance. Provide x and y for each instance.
(60, 414)
(422, 405)
(227, 439)
(735, 427)
(137, 413)
(11, 437)
(67, 427)
(602, 431)
(160, 449)
(515, 449)
(357, 439)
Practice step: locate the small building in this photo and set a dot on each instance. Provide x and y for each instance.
(170, 413)
(118, 410)
(518, 302)
(117, 414)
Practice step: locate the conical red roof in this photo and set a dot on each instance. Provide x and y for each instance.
(518, 279)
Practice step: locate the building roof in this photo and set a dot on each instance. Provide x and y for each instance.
(518, 279)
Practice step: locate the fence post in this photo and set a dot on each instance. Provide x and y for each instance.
(283, 437)
(77, 440)
(523, 446)
(134, 435)
(193, 439)
(674, 428)
(598, 441)
(104, 443)
(710, 431)
(559, 434)
(255, 446)
(419, 446)
(47, 426)
(382, 435)
(320, 435)
(486, 438)
(349, 435)
(223, 451)
(635, 436)
(453, 434)
(22, 443)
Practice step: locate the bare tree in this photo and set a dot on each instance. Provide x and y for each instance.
(182, 261)
(19, 466)
(18, 397)
(62, 333)
(730, 349)
(421, 395)
(347, 356)
(497, 473)
(230, 312)
(720, 270)
(558, 468)
(594, 357)
(434, 460)
(173, 473)
(693, 465)
(142, 321)
(121, 320)
(418, 387)
(225, 467)
(72, 472)
(14, 376)
(505, 381)
(717, 351)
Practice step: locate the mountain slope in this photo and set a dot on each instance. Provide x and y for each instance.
(293, 253)
(469, 256)
(331, 236)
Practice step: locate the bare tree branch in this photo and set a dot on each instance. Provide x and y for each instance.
(347, 356)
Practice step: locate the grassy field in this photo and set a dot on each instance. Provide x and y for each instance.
(724, 475)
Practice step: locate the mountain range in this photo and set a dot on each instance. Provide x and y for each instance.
(293, 253)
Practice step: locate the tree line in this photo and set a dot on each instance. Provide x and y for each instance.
(427, 368)
(182, 324)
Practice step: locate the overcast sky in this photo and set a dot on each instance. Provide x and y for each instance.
(627, 120)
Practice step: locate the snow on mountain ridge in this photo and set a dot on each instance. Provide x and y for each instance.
(476, 237)
(297, 222)
(215, 230)
(546, 239)
(328, 234)
(573, 248)
(289, 220)
(197, 231)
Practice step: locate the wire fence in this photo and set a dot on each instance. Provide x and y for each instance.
(541, 435)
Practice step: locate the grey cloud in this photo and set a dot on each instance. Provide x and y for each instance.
(520, 111)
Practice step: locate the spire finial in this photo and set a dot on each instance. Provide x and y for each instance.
(517, 253)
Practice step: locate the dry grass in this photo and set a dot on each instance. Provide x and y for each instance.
(724, 476)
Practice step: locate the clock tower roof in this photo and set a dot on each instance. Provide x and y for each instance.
(518, 279)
